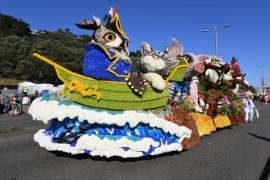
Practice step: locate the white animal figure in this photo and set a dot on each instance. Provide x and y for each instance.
(155, 64)
(156, 80)
(152, 63)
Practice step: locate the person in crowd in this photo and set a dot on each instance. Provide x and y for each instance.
(249, 108)
(25, 91)
(266, 99)
(19, 103)
(12, 106)
(2, 104)
(32, 98)
(246, 108)
(6, 104)
(25, 99)
(36, 94)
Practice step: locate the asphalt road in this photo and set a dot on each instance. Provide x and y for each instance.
(241, 152)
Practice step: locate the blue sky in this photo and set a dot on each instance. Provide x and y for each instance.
(157, 21)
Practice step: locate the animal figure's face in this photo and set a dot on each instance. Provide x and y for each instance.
(111, 39)
(155, 60)
(153, 63)
(151, 60)
(110, 34)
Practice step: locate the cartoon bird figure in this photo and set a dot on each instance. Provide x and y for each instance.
(107, 55)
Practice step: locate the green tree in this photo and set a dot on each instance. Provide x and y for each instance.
(17, 45)
(136, 53)
(12, 26)
(13, 49)
(62, 47)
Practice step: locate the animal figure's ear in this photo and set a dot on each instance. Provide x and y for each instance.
(171, 63)
(202, 57)
(88, 25)
(146, 49)
(176, 49)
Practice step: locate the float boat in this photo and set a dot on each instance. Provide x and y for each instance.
(112, 95)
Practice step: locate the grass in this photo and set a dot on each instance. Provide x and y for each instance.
(9, 81)
(10, 129)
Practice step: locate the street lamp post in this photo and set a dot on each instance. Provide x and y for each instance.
(216, 30)
(263, 80)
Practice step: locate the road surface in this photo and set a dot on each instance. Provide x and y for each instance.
(240, 152)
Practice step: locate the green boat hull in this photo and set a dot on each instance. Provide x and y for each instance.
(111, 95)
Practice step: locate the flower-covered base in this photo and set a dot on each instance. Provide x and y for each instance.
(78, 129)
(222, 121)
(183, 118)
(204, 123)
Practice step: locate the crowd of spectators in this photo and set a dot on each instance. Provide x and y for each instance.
(262, 98)
(13, 105)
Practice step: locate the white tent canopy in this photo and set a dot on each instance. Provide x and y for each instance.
(32, 87)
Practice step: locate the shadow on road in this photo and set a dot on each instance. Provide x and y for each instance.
(266, 169)
(260, 137)
(86, 156)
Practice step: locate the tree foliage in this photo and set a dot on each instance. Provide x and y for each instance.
(12, 26)
(17, 44)
(136, 54)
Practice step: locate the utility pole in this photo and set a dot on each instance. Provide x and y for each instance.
(216, 40)
(216, 30)
(263, 83)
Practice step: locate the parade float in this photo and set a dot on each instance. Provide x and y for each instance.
(109, 110)
(166, 104)
(213, 89)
